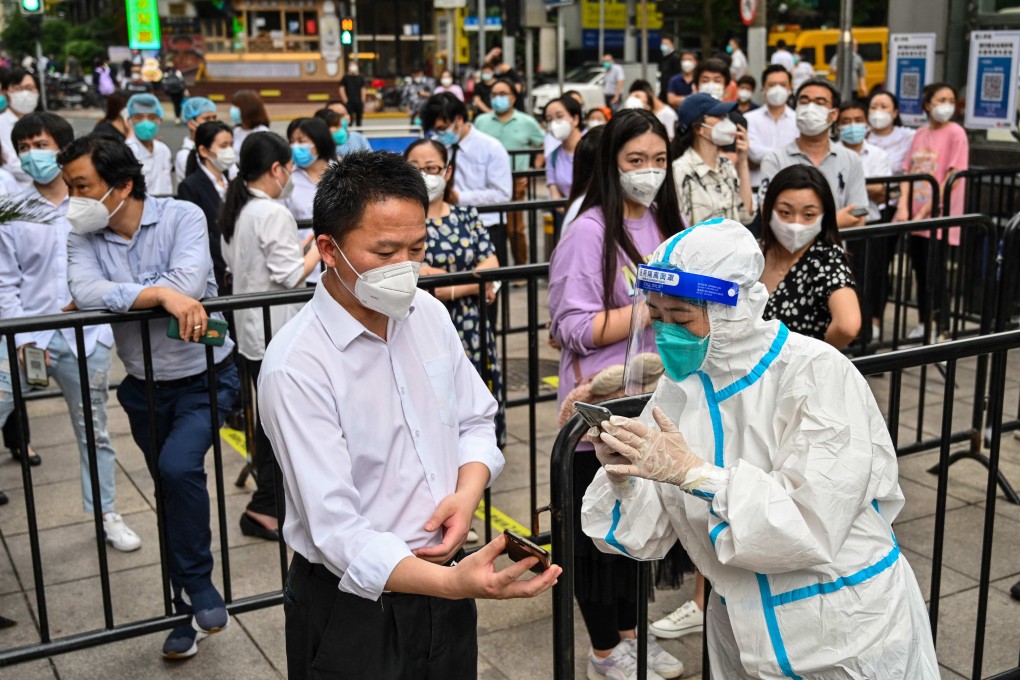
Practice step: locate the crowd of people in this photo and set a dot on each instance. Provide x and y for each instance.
(129, 224)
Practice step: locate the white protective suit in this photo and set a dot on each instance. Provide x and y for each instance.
(793, 527)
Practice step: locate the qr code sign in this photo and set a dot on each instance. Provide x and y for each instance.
(910, 85)
(991, 86)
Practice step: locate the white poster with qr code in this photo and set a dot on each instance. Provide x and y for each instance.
(911, 67)
(992, 80)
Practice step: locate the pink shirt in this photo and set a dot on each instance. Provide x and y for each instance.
(935, 152)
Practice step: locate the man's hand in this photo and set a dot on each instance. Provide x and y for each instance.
(476, 576)
(70, 307)
(189, 312)
(453, 516)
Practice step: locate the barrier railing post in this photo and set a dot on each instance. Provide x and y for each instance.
(217, 446)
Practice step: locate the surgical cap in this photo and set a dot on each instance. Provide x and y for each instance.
(195, 107)
(144, 103)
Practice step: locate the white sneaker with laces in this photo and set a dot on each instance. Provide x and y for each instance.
(917, 333)
(621, 664)
(684, 621)
(659, 660)
(119, 535)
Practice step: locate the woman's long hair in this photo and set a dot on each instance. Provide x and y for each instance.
(205, 135)
(605, 192)
(800, 177)
(585, 155)
(259, 152)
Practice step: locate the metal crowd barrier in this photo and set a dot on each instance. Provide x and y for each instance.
(996, 346)
(111, 628)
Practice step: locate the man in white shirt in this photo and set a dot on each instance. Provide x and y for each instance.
(145, 113)
(782, 56)
(194, 112)
(384, 434)
(612, 84)
(773, 125)
(33, 281)
(481, 174)
(738, 60)
(21, 88)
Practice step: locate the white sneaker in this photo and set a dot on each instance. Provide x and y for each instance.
(621, 664)
(684, 621)
(916, 334)
(659, 660)
(876, 332)
(118, 535)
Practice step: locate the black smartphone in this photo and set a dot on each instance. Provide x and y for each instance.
(519, 548)
(593, 415)
(859, 212)
(215, 332)
(35, 366)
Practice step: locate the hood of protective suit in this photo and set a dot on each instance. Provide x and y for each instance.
(725, 249)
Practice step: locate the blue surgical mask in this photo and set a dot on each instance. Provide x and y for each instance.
(682, 352)
(853, 133)
(607, 64)
(448, 137)
(302, 153)
(40, 165)
(729, 49)
(235, 115)
(340, 135)
(3, 102)
(501, 103)
(146, 130)
(666, 49)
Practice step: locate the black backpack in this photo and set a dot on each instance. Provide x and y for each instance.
(172, 83)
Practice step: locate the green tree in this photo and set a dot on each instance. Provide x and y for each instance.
(17, 34)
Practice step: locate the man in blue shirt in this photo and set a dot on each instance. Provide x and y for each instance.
(130, 251)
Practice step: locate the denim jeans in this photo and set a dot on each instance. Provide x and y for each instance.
(63, 367)
(184, 433)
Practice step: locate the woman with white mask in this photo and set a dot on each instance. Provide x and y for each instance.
(810, 285)
(708, 184)
(630, 207)
(260, 245)
(887, 131)
(563, 118)
(457, 241)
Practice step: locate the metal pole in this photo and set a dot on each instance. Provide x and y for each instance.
(451, 40)
(481, 32)
(844, 54)
(644, 39)
(529, 67)
(354, 18)
(561, 52)
(602, 29)
(41, 71)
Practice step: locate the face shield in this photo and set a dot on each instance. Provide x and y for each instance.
(669, 329)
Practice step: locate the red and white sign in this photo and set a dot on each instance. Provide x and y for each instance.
(748, 8)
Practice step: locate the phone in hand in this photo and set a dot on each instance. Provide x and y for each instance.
(35, 366)
(859, 212)
(215, 332)
(593, 415)
(520, 548)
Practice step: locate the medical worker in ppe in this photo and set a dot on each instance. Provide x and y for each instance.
(765, 454)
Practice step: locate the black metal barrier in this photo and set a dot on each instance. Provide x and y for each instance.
(950, 353)
(111, 629)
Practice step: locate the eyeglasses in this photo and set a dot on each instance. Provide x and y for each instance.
(821, 101)
(23, 88)
(433, 169)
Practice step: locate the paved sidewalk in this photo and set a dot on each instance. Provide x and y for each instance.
(514, 637)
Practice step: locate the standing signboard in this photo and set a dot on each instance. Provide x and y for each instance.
(992, 85)
(911, 67)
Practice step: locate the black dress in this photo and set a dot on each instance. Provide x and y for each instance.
(801, 300)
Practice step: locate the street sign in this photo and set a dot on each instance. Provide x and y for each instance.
(748, 9)
(143, 25)
(992, 80)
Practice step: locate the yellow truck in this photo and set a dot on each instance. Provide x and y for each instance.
(818, 47)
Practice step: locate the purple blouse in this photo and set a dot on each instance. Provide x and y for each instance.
(559, 170)
(575, 292)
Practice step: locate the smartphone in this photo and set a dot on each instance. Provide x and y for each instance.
(592, 414)
(519, 548)
(35, 366)
(215, 332)
(859, 212)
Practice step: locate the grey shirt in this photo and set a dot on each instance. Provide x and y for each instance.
(170, 249)
(842, 167)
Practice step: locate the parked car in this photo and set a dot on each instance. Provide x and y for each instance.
(587, 79)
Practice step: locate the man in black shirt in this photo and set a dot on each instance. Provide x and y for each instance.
(352, 93)
(669, 66)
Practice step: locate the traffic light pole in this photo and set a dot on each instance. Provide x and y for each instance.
(36, 22)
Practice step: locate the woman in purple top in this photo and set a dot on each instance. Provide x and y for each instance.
(563, 119)
(631, 207)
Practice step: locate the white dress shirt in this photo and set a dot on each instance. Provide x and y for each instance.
(263, 255)
(300, 206)
(33, 274)
(220, 190)
(482, 176)
(181, 159)
(12, 163)
(896, 145)
(784, 58)
(240, 134)
(667, 116)
(765, 134)
(371, 434)
(155, 166)
(875, 162)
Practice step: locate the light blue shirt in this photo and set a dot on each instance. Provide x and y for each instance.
(33, 273)
(355, 142)
(171, 250)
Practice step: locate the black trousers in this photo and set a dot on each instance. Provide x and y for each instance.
(336, 635)
(264, 463)
(12, 437)
(357, 111)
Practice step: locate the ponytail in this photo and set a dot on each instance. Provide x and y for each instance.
(259, 152)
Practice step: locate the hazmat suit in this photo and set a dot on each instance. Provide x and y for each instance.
(779, 478)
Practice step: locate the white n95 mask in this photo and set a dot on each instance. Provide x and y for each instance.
(641, 186)
(792, 235)
(435, 185)
(87, 215)
(389, 290)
